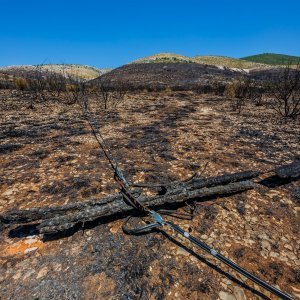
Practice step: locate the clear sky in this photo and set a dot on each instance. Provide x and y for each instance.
(111, 33)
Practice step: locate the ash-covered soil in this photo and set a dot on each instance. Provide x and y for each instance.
(48, 157)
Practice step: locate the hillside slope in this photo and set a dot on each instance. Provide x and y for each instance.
(213, 60)
(79, 71)
(273, 59)
(75, 70)
(225, 61)
(162, 75)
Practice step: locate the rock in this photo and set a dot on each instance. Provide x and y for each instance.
(239, 293)
(224, 285)
(291, 255)
(30, 250)
(289, 247)
(249, 242)
(264, 236)
(210, 240)
(9, 192)
(34, 188)
(57, 267)
(17, 276)
(42, 273)
(254, 219)
(283, 259)
(115, 228)
(274, 254)
(226, 296)
(28, 274)
(226, 281)
(297, 295)
(181, 251)
(266, 245)
(30, 241)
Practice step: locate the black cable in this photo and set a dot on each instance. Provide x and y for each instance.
(230, 263)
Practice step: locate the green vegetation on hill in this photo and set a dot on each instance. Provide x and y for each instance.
(273, 59)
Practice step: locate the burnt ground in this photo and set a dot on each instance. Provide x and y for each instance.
(48, 157)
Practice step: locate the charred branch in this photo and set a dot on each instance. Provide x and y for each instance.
(289, 171)
(34, 214)
(118, 206)
(66, 216)
(61, 218)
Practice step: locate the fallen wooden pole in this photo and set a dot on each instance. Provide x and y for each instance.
(65, 222)
(291, 170)
(50, 222)
(60, 218)
(42, 213)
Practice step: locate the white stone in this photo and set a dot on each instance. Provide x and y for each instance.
(42, 272)
(30, 241)
(239, 293)
(226, 296)
(9, 192)
(266, 245)
(288, 246)
(30, 250)
(181, 251)
(274, 254)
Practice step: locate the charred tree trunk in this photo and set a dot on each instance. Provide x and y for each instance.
(56, 219)
(64, 217)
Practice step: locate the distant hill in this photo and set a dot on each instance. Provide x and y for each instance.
(225, 61)
(163, 75)
(273, 59)
(78, 71)
(221, 61)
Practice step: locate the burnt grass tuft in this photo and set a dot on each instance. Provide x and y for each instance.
(67, 186)
(296, 275)
(239, 253)
(204, 286)
(240, 207)
(7, 148)
(211, 212)
(276, 271)
(296, 195)
(206, 223)
(41, 153)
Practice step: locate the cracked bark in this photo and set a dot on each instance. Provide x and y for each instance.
(64, 217)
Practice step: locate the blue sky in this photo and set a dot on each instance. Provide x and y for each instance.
(112, 33)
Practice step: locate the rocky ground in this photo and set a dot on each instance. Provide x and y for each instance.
(48, 157)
